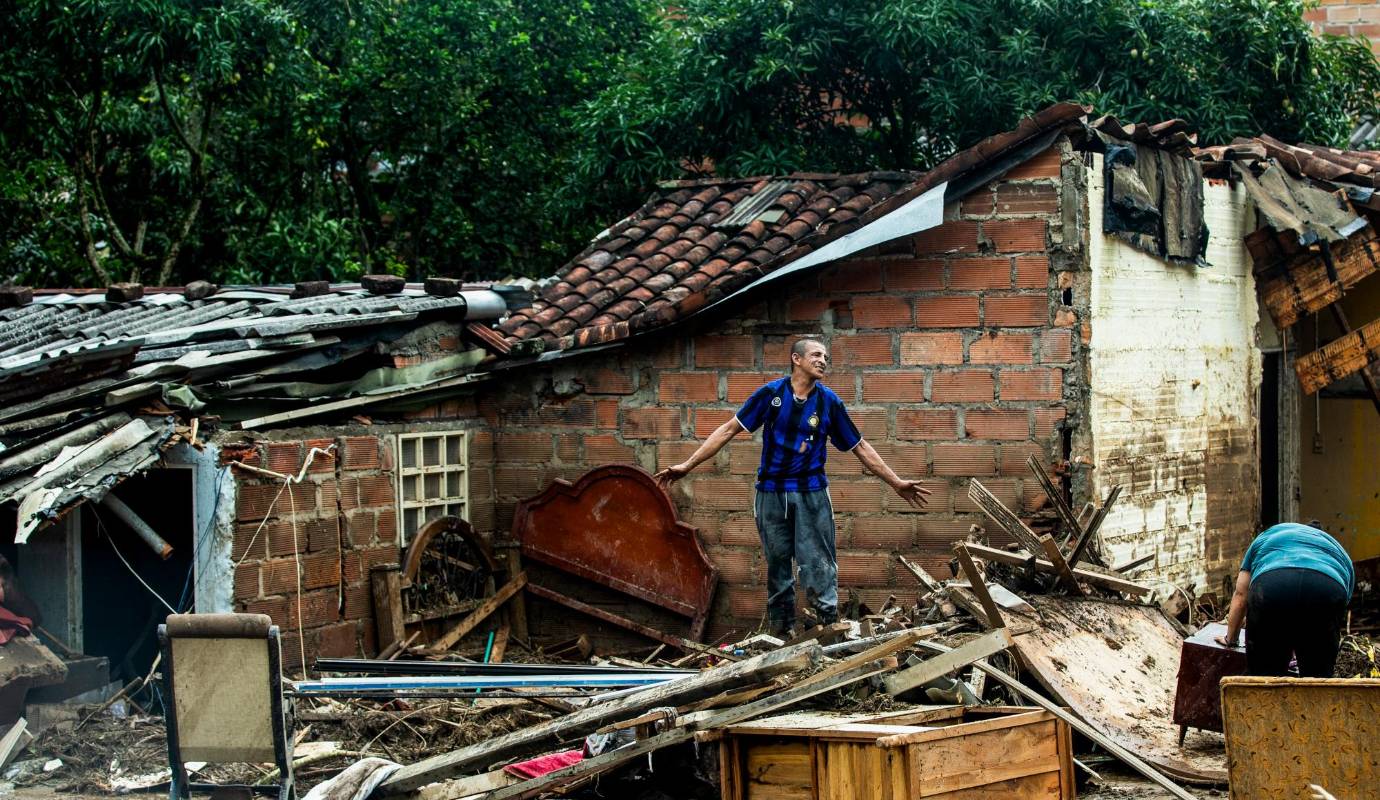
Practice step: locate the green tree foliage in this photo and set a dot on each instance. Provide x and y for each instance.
(253, 141)
(762, 86)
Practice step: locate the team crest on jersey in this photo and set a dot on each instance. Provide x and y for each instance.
(776, 402)
(814, 420)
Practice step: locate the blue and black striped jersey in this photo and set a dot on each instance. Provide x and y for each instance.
(793, 450)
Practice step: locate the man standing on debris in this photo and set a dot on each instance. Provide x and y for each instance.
(1293, 587)
(795, 517)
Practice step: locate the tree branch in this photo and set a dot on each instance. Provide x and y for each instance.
(198, 156)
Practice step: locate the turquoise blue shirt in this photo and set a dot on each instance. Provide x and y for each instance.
(1294, 545)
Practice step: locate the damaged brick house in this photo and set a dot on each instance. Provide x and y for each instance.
(1080, 292)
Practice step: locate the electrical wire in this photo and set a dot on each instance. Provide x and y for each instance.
(101, 524)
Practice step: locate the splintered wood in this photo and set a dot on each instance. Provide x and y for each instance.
(1339, 358)
(1304, 286)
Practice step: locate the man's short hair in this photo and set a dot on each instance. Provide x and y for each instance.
(798, 349)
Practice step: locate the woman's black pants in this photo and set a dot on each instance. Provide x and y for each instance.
(1298, 612)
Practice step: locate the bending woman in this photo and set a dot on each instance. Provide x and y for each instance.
(1294, 587)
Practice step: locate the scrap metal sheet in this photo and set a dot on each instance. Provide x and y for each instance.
(1116, 666)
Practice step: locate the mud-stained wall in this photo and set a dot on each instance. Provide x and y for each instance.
(1174, 370)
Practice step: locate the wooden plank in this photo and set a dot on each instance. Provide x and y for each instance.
(1133, 563)
(985, 645)
(977, 585)
(996, 723)
(517, 608)
(386, 585)
(1055, 495)
(1042, 786)
(984, 759)
(599, 764)
(14, 741)
(1093, 526)
(500, 647)
(1369, 380)
(1304, 286)
(1002, 515)
(885, 649)
(921, 574)
(1126, 756)
(1087, 576)
(1339, 358)
(468, 787)
(536, 738)
(1061, 566)
(480, 614)
(632, 625)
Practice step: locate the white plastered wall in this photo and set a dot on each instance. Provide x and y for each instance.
(1174, 373)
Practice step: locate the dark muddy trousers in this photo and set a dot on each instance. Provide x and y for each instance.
(1298, 612)
(798, 526)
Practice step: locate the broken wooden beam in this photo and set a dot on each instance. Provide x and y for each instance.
(623, 622)
(1055, 495)
(1339, 358)
(988, 644)
(680, 691)
(1061, 567)
(921, 574)
(385, 584)
(1003, 516)
(480, 614)
(1093, 527)
(1304, 284)
(1087, 576)
(978, 586)
(1127, 566)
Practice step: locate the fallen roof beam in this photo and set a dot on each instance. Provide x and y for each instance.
(1095, 578)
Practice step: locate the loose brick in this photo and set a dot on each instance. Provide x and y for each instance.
(609, 381)
(999, 347)
(707, 420)
(964, 386)
(1032, 272)
(688, 387)
(964, 459)
(741, 385)
(980, 274)
(946, 312)
(915, 275)
(863, 349)
(926, 423)
(897, 387)
(284, 457)
(608, 450)
(1016, 311)
(1044, 165)
(927, 349)
(883, 533)
(865, 569)
(1056, 347)
(651, 423)
(882, 311)
(724, 351)
(1047, 421)
(1032, 384)
(954, 236)
(360, 453)
(996, 424)
(524, 448)
(1016, 235)
(860, 275)
(1014, 198)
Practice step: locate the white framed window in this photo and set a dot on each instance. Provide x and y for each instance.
(433, 478)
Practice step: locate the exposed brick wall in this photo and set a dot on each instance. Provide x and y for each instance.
(1347, 18)
(952, 350)
(327, 532)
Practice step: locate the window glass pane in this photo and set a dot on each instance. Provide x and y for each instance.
(431, 452)
(409, 485)
(410, 521)
(409, 453)
(435, 512)
(455, 484)
(454, 456)
(432, 489)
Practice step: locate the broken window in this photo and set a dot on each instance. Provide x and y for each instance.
(433, 480)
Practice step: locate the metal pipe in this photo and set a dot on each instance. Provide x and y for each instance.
(471, 682)
(126, 514)
(369, 666)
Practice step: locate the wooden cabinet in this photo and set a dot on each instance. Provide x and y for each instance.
(952, 755)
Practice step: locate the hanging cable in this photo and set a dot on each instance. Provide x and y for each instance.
(101, 524)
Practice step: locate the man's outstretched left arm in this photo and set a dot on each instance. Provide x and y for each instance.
(910, 491)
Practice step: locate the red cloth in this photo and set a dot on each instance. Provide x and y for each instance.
(11, 625)
(539, 766)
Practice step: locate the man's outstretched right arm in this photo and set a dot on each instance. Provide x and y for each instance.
(711, 446)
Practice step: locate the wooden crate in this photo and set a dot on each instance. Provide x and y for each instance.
(943, 753)
(1285, 733)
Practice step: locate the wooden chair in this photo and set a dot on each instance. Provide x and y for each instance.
(222, 683)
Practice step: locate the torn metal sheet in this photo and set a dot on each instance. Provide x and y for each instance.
(87, 471)
(1116, 666)
(1154, 201)
(1295, 204)
(381, 379)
